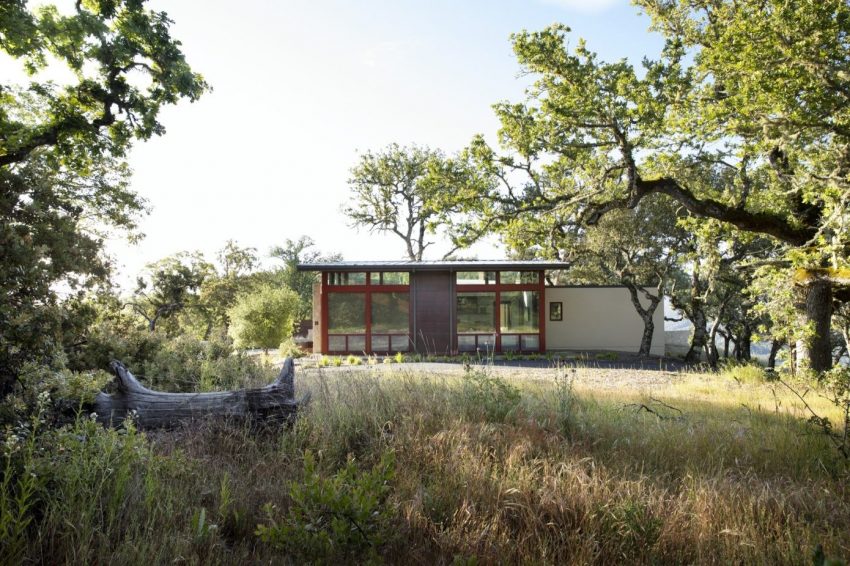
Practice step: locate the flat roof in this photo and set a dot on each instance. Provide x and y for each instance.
(469, 265)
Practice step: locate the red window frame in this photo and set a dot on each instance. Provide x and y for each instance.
(368, 288)
(498, 288)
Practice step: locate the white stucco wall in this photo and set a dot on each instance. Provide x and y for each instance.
(599, 318)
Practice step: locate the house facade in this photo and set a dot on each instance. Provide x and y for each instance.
(451, 307)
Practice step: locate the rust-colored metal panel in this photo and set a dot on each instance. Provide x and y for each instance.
(318, 321)
(433, 311)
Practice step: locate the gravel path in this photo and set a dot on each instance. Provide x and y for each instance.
(597, 375)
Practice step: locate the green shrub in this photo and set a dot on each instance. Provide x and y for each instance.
(608, 356)
(400, 358)
(290, 349)
(488, 396)
(342, 517)
(353, 360)
(188, 364)
(264, 318)
(744, 373)
(79, 475)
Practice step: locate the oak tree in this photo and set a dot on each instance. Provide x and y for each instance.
(62, 145)
(744, 118)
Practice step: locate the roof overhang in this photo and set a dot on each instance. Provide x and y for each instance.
(472, 265)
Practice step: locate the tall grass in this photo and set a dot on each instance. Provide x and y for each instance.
(699, 469)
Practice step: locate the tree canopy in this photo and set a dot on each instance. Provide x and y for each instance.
(744, 119)
(64, 181)
(409, 192)
(263, 318)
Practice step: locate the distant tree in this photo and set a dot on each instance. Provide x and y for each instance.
(230, 277)
(638, 249)
(291, 254)
(409, 192)
(263, 318)
(635, 248)
(169, 286)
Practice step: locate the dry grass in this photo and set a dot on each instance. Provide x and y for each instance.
(715, 471)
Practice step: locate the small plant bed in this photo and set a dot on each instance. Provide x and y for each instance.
(619, 360)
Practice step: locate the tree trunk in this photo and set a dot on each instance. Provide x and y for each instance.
(646, 316)
(745, 344)
(713, 354)
(272, 403)
(699, 339)
(646, 338)
(814, 351)
(775, 346)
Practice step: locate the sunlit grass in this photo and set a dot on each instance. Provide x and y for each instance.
(567, 467)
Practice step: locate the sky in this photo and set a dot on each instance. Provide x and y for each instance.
(302, 87)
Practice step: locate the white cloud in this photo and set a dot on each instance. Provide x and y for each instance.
(586, 6)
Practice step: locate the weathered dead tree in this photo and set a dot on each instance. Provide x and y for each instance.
(151, 409)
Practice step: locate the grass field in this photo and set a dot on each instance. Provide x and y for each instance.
(395, 465)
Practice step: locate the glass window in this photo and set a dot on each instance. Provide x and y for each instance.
(336, 343)
(375, 278)
(530, 342)
(357, 343)
(510, 342)
(476, 277)
(486, 341)
(519, 311)
(346, 278)
(390, 313)
(380, 343)
(396, 278)
(519, 277)
(475, 312)
(400, 343)
(346, 313)
(466, 343)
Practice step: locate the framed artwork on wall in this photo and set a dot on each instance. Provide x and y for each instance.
(556, 311)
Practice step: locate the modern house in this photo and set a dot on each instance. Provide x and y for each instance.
(448, 307)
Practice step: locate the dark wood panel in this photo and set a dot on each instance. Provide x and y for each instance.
(433, 311)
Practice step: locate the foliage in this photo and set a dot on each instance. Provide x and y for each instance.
(408, 192)
(64, 182)
(343, 516)
(291, 349)
(292, 253)
(169, 287)
(264, 318)
(750, 373)
(742, 119)
(126, 67)
(220, 289)
(188, 364)
(180, 363)
(488, 396)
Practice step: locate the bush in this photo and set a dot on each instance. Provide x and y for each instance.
(263, 318)
(608, 356)
(488, 396)
(752, 374)
(188, 364)
(343, 516)
(290, 349)
(78, 475)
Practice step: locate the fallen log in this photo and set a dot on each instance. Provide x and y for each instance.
(152, 409)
